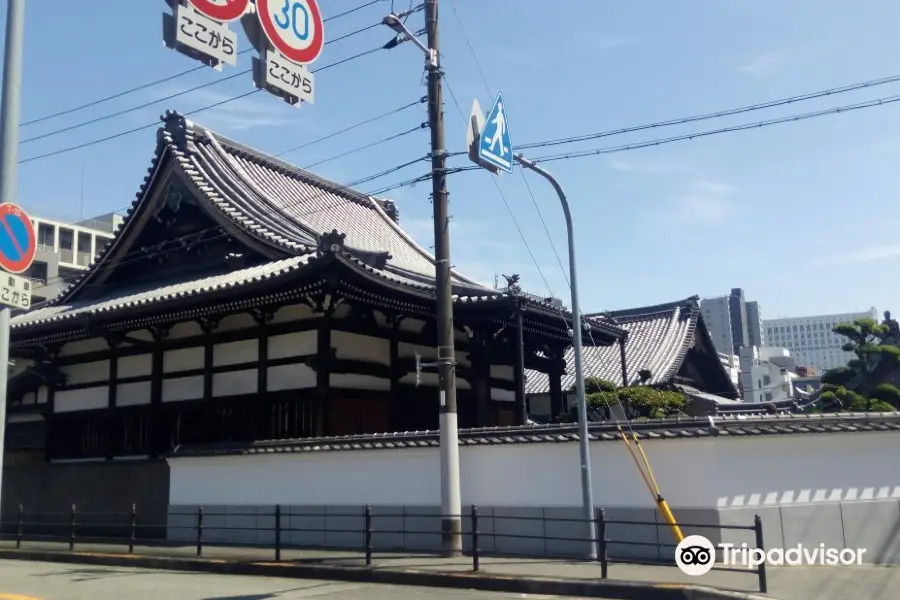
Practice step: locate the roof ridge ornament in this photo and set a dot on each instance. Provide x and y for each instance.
(177, 126)
(331, 243)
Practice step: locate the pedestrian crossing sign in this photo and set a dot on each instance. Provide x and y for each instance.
(495, 147)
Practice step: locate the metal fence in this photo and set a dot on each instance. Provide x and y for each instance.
(127, 529)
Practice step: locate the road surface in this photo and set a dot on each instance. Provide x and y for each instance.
(22, 580)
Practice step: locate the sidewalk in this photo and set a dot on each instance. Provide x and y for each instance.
(788, 583)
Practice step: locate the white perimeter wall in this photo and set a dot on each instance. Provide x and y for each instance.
(723, 472)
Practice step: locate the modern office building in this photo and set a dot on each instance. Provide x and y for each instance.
(65, 250)
(733, 322)
(812, 341)
(755, 324)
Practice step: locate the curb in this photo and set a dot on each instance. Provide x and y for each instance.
(618, 590)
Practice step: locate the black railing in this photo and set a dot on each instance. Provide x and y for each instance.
(74, 526)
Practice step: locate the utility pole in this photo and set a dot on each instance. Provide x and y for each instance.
(451, 503)
(9, 166)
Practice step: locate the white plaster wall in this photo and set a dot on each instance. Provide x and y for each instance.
(91, 345)
(302, 343)
(710, 472)
(411, 325)
(186, 329)
(234, 353)
(502, 372)
(134, 366)
(359, 382)
(81, 399)
(86, 372)
(234, 383)
(182, 388)
(237, 321)
(361, 347)
(183, 359)
(503, 395)
(290, 377)
(133, 394)
(293, 312)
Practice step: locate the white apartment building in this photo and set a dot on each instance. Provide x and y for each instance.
(811, 340)
(767, 373)
(65, 250)
(732, 364)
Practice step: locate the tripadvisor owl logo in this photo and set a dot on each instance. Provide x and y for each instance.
(695, 555)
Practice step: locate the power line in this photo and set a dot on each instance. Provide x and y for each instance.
(352, 127)
(175, 95)
(128, 131)
(367, 146)
(156, 82)
(193, 112)
(528, 187)
(714, 115)
(756, 125)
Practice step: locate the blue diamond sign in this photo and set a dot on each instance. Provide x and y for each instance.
(495, 147)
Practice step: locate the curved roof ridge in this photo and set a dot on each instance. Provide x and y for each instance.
(644, 311)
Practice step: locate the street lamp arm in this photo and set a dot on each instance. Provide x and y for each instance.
(394, 22)
(587, 493)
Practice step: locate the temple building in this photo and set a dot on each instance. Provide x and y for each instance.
(246, 299)
(666, 345)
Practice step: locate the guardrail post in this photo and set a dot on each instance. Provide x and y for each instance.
(601, 543)
(199, 531)
(761, 569)
(368, 535)
(20, 520)
(133, 534)
(72, 529)
(277, 532)
(475, 564)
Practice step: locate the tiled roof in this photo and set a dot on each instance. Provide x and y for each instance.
(129, 298)
(662, 429)
(282, 207)
(659, 338)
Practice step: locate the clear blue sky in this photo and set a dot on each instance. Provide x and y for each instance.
(803, 216)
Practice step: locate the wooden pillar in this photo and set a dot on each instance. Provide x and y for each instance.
(112, 428)
(50, 414)
(323, 372)
(557, 369)
(396, 402)
(156, 441)
(262, 416)
(481, 378)
(208, 326)
(624, 363)
(519, 368)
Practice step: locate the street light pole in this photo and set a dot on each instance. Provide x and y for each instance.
(9, 159)
(587, 494)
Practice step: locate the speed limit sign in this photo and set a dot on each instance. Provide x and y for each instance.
(294, 27)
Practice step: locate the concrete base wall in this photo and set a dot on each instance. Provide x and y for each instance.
(550, 531)
(102, 493)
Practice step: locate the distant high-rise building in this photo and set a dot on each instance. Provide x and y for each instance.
(730, 320)
(811, 340)
(755, 324)
(717, 316)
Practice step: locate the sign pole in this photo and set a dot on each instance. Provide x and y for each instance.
(9, 158)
